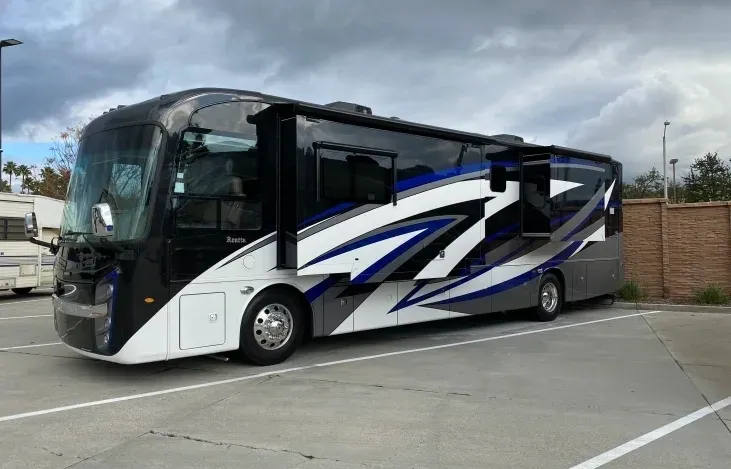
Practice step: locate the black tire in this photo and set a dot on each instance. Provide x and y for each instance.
(22, 291)
(249, 342)
(552, 285)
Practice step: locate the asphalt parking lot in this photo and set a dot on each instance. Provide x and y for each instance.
(598, 387)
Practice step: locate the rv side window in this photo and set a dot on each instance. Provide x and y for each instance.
(217, 181)
(12, 229)
(355, 177)
(498, 178)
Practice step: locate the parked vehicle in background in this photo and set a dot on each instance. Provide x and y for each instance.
(25, 266)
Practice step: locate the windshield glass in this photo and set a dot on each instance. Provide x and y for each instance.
(115, 167)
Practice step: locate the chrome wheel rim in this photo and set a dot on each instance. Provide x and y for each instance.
(273, 326)
(549, 297)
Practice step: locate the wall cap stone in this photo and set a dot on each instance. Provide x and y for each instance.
(699, 204)
(643, 201)
(666, 307)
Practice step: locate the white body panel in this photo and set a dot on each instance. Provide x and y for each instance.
(373, 312)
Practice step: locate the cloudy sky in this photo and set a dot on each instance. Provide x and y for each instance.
(597, 75)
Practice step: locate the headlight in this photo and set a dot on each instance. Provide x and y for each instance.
(103, 292)
(106, 324)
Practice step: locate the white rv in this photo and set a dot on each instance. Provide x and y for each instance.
(23, 265)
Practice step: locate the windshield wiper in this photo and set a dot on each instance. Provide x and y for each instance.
(83, 235)
(75, 233)
(125, 254)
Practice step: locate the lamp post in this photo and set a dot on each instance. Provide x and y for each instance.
(675, 187)
(664, 164)
(3, 43)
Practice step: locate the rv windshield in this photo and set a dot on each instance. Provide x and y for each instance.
(116, 167)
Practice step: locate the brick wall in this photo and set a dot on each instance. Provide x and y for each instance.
(673, 249)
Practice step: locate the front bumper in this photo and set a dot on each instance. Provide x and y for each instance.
(84, 327)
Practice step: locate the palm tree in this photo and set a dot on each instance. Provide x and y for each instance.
(10, 169)
(23, 172)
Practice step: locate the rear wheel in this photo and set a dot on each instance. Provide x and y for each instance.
(22, 291)
(272, 328)
(550, 298)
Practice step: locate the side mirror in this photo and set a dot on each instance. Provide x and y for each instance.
(30, 226)
(102, 223)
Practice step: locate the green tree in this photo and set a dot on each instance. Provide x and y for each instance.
(647, 185)
(50, 183)
(709, 179)
(10, 169)
(62, 160)
(25, 175)
(676, 191)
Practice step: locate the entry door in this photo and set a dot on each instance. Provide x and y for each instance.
(223, 193)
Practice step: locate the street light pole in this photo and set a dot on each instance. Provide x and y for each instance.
(3, 44)
(664, 164)
(675, 186)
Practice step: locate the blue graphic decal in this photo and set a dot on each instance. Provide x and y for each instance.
(559, 220)
(373, 269)
(428, 225)
(582, 223)
(424, 179)
(510, 229)
(339, 208)
(318, 290)
(515, 281)
(112, 277)
(406, 302)
(403, 303)
(411, 183)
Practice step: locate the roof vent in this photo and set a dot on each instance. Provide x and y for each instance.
(513, 138)
(352, 107)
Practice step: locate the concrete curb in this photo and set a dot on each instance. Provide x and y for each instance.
(664, 307)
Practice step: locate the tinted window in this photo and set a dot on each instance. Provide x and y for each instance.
(498, 178)
(594, 177)
(354, 177)
(420, 161)
(536, 201)
(12, 229)
(218, 179)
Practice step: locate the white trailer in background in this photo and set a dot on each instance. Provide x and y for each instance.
(23, 265)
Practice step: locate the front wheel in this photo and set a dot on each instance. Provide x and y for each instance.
(271, 329)
(550, 298)
(22, 291)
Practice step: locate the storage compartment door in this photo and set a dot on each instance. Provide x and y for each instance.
(202, 320)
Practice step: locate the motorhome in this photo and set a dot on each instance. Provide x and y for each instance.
(220, 220)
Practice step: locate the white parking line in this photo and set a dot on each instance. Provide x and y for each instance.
(17, 347)
(27, 317)
(306, 367)
(648, 438)
(4, 303)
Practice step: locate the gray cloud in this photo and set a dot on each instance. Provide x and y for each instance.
(594, 74)
(56, 68)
